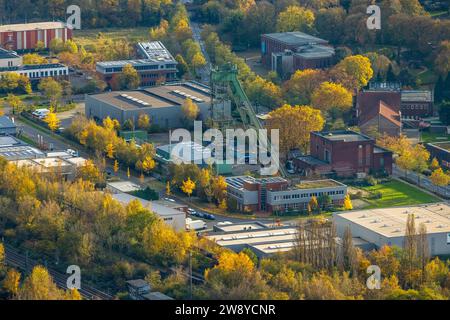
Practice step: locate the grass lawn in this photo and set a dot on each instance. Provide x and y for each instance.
(397, 193)
(89, 37)
(428, 137)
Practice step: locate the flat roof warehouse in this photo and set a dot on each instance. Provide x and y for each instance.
(156, 97)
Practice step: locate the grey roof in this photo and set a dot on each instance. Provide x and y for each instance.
(417, 96)
(295, 38)
(138, 283)
(315, 51)
(342, 135)
(238, 181)
(6, 54)
(156, 296)
(6, 122)
(14, 149)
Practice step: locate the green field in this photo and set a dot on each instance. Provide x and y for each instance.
(133, 35)
(397, 193)
(428, 137)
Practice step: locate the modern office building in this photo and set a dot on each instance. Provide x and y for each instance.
(161, 103)
(155, 65)
(287, 52)
(344, 153)
(26, 36)
(388, 226)
(273, 194)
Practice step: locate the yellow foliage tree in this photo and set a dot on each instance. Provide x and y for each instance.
(358, 67)
(190, 109)
(52, 120)
(440, 178)
(188, 187)
(331, 95)
(295, 124)
(348, 205)
(434, 164)
(39, 285)
(110, 150)
(116, 166)
(295, 18)
(11, 282)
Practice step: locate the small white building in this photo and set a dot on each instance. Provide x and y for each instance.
(172, 217)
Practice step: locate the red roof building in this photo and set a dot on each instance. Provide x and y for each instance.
(379, 113)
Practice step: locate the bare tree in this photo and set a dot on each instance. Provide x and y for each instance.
(410, 246)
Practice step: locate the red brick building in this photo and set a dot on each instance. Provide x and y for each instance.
(26, 36)
(344, 153)
(378, 112)
(290, 51)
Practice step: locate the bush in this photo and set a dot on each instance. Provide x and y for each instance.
(371, 181)
(376, 195)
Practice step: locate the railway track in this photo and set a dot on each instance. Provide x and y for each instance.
(18, 260)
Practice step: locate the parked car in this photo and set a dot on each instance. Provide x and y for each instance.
(209, 216)
(40, 113)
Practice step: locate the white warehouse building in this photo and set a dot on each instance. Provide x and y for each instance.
(388, 226)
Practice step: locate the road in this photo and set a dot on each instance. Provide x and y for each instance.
(15, 259)
(205, 71)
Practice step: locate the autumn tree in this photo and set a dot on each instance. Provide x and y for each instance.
(168, 191)
(410, 249)
(15, 103)
(33, 58)
(39, 285)
(144, 122)
(442, 61)
(299, 88)
(347, 203)
(331, 95)
(434, 164)
(190, 109)
(52, 90)
(188, 187)
(11, 282)
(2, 255)
(128, 79)
(295, 18)
(357, 67)
(52, 120)
(295, 124)
(439, 178)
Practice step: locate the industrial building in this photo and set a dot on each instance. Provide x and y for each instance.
(7, 126)
(275, 195)
(190, 152)
(388, 226)
(12, 149)
(263, 240)
(161, 103)
(26, 36)
(290, 51)
(155, 65)
(343, 153)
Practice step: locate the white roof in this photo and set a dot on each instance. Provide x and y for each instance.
(32, 26)
(152, 206)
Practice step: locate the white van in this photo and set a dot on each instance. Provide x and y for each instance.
(41, 113)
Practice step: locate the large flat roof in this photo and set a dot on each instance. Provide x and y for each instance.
(150, 205)
(155, 97)
(315, 51)
(346, 136)
(238, 181)
(32, 26)
(417, 96)
(295, 38)
(391, 222)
